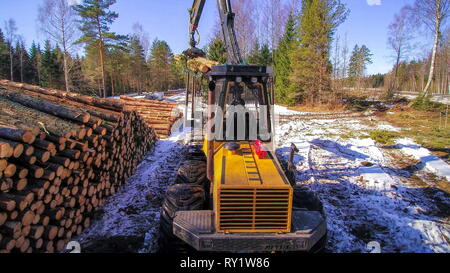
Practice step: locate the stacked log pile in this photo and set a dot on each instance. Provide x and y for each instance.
(61, 155)
(158, 114)
(171, 93)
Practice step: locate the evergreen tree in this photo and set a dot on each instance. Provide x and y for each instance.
(311, 66)
(253, 57)
(260, 55)
(265, 56)
(311, 73)
(138, 63)
(91, 71)
(217, 51)
(353, 67)
(177, 80)
(96, 17)
(35, 62)
(51, 73)
(4, 57)
(59, 57)
(120, 71)
(359, 60)
(23, 69)
(160, 61)
(76, 74)
(283, 65)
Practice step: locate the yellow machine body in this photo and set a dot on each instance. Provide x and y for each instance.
(250, 194)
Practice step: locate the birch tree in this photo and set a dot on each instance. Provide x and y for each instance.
(245, 25)
(400, 35)
(20, 50)
(57, 22)
(11, 29)
(432, 14)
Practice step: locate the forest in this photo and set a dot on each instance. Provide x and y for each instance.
(313, 62)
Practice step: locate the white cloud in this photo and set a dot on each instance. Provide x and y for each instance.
(374, 2)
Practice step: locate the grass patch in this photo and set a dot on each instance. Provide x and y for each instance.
(335, 107)
(348, 135)
(384, 137)
(425, 104)
(427, 128)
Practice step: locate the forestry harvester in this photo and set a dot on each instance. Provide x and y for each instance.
(233, 195)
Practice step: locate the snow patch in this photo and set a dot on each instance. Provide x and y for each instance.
(432, 162)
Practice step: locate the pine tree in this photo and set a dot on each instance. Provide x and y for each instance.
(217, 51)
(51, 72)
(22, 68)
(76, 74)
(311, 59)
(265, 56)
(165, 71)
(283, 66)
(120, 70)
(359, 60)
(177, 79)
(96, 17)
(59, 57)
(4, 57)
(91, 70)
(138, 63)
(160, 61)
(260, 55)
(253, 57)
(35, 61)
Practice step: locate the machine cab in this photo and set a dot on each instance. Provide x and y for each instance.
(241, 102)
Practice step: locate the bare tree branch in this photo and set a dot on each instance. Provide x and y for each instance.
(57, 22)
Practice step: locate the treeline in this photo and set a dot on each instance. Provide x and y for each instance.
(412, 75)
(419, 40)
(296, 39)
(111, 64)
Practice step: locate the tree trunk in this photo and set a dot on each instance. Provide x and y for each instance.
(394, 85)
(21, 66)
(46, 107)
(102, 57)
(66, 72)
(11, 62)
(102, 64)
(435, 45)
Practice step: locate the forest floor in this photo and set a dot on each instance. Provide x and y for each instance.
(397, 195)
(375, 187)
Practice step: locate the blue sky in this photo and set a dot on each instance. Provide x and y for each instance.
(168, 20)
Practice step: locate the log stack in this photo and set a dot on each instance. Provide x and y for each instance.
(61, 155)
(172, 93)
(159, 115)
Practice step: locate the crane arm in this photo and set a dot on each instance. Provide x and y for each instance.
(194, 20)
(227, 23)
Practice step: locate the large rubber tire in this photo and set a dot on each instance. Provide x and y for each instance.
(192, 172)
(180, 197)
(196, 153)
